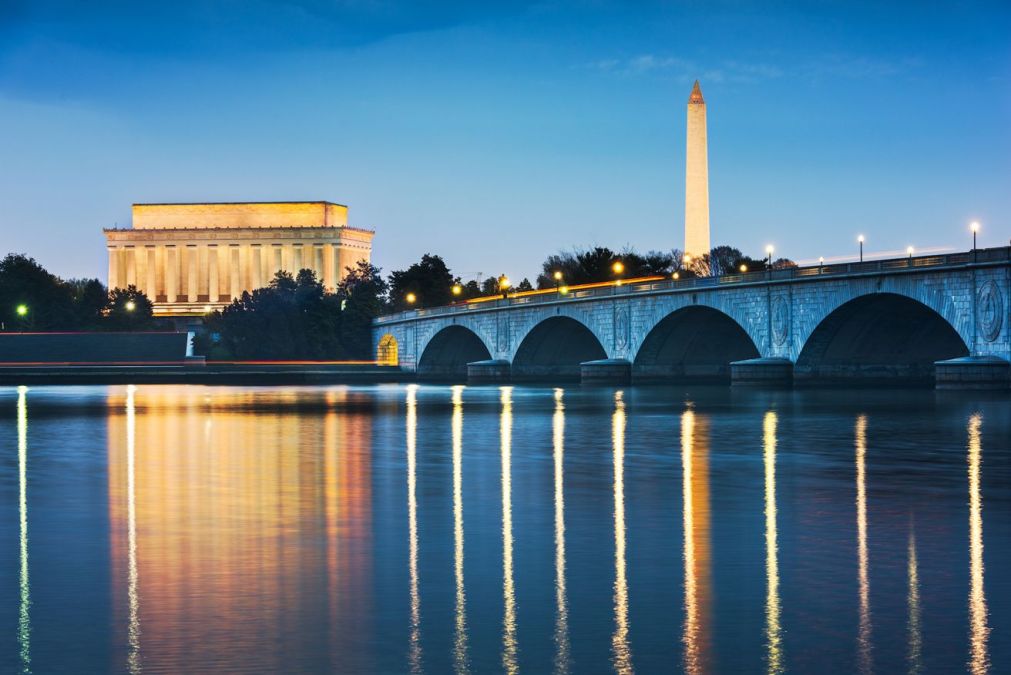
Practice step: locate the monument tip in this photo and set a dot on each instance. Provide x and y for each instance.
(696, 96)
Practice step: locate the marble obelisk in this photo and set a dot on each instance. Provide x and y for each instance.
(696, 177)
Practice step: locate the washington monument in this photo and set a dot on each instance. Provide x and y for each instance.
(696, 177)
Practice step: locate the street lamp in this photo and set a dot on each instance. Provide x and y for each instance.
(130, 305)
(909, 250)
(503, 285)
(457, 289)
(411, 298)
(558, 279)
(21, 310)
(675, 276)
(769, 250)
(861, 240)
(821, 263)
(744, 268)
(974, 226)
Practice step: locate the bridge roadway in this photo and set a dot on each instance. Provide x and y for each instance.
(923, 319)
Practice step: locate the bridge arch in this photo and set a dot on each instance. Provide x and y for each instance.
(448, 352)
(694, 343)
(886, 337)
(554, 348)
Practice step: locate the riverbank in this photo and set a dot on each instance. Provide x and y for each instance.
(239, 373)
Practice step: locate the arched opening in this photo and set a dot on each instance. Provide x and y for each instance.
(449, 351)
(554, 349)
(693, 344)
(884, 338)
(387, 353)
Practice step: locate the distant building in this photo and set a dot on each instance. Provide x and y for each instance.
(191, 257)
(696, 177)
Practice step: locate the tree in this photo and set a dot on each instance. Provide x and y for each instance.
(429, 280)
(129, 309)
(47, 302)
(91, 299)
(524, 285)
(363, 297)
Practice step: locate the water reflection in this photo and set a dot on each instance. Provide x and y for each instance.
(914, 650)
(864, 636)
(773, 633)
(695, 491)
(460, 639)
(412, 527)
(133, 628)
(509, 646)
(979, 631)
(621, 652)
(24, 619)
(562, 611)
(212, 496)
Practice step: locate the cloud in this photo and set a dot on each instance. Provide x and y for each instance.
(681, 68)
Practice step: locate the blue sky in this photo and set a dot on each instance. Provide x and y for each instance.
(496, 133)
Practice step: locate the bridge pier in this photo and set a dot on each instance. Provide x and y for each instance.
(606, 371)
(973, 372)
(489, 371)
(762, 372)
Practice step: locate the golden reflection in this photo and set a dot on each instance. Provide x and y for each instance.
(460, 642)
(133, 628)
(214, 493)
(979, 631)
(412, 526)
(864, 638)
(695, 490)
(915, 647)
(509, 646)
(24, 620)
(562, 618)
(773, 632)
(619, 642)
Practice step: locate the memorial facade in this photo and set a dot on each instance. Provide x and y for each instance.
(192, 258)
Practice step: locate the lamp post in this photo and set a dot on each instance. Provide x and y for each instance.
(974, 226)
(22, 312)
(411, 298)
(503, 286)
(769, 250)
(457, 289)
(909, 250)
(558, 279)
(744, 268)
(618, 267)
(821, 263)
(130, 305)
(860, 239)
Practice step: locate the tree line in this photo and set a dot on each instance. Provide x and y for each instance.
(33, 299)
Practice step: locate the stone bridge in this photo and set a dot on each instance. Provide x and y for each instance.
(906, 320)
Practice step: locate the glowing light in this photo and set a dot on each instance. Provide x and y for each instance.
(909, 250)
(564, 290)
(503, 282)
(773, 631)
(687, 259)
(675, 276)
(979, 631)
(412, 527)
(744, 268)
(21, 310)
(24, 618)
(410, 298)
(770, 249)
(860, 239)
(561, 604)
(208, 309)
(130, 305)
(509, 645)
(864, 637)
(915, 648)
(974, 226)
(557, 275)
(133, 629)
(460, 642)
(618, 267)
(622, 654)
(821, 260)
(457, 289)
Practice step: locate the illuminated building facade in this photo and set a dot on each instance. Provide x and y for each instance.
(189, 257)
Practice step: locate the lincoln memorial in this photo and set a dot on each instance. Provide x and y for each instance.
(191, 258)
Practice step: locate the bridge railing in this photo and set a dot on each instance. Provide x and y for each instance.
(961, 259)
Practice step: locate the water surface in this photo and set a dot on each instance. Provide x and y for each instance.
(485, 529)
